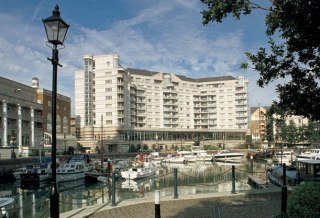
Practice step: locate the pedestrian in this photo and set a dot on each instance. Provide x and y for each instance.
(141, 191)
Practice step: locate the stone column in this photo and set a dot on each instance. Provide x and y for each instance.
(32, 126)
(5, 125)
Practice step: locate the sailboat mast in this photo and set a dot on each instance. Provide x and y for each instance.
(101, 141)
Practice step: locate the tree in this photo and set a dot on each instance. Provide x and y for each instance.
(304, 201)
(311, 133)
(295, 25)
(289, 134)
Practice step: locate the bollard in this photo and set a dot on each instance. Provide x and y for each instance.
(175, 183)
(284, 190)
(233, 191)
(216, 212)
(157, 204)
(3, 212)
(113, 203)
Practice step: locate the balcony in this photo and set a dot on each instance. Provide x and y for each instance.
(170, 97)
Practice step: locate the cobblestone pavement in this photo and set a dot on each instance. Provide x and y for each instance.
(263, 205)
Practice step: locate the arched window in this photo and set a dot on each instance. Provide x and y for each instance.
(58, 120)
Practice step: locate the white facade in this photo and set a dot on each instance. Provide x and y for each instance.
(140, 99)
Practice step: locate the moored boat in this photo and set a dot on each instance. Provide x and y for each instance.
(155, 156)
(309, 154)
(275, 175)
(37, 172)
(74, 169)
(229, 156)
(179, 159)
(147, 169)
(283, 157)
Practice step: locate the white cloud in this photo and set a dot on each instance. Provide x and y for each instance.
(166, 36)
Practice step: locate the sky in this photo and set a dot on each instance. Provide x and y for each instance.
(157, 35)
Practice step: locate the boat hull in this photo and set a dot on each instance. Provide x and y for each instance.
(135, 175)
(64, 177)
(229, 158)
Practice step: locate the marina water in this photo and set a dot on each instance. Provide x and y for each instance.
(193, 178)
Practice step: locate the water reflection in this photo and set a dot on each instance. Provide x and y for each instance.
(193, 178)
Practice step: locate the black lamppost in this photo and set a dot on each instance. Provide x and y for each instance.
(56, 30)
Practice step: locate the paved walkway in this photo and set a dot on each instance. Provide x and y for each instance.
(256, 203)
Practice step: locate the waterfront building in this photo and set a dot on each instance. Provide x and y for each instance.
(25, 118)
(21, 122)
(130, 107)
(63, 119)
(258, 124)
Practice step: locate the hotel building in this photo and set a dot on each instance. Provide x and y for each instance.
(126, 107)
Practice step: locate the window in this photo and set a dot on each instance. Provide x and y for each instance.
(108, 113)
(108, 89)
(108, 81)
(108, 122)
(108, 97)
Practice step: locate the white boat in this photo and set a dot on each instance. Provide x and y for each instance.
(283, 157)
(147, 169)
(226, 155)
(155, 156)
(202, 155)
(120, 164)
(309, 154)
(188, 155)
(75, 169)
(175, 159)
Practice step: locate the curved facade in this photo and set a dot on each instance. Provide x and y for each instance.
(121, 103)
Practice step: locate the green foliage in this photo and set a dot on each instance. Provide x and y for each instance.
(145, 147)
(132, 148)
(304, 201)
(154, 147)
(210, 147)
(311, 133)
(80, 148)
(138, 147)
(295, 26)
(289, 134)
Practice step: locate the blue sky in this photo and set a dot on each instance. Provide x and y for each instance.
(158, 35)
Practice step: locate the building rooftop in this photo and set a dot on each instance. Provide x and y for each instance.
(184, 78)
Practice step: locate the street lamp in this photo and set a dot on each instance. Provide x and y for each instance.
(56, 30)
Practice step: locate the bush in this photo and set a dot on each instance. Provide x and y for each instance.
(304, 201)
(210, 147)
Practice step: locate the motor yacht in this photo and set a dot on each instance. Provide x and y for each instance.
(74, 169)
(147, 169)
(229, 156)
(309, 154)
(283, 157)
